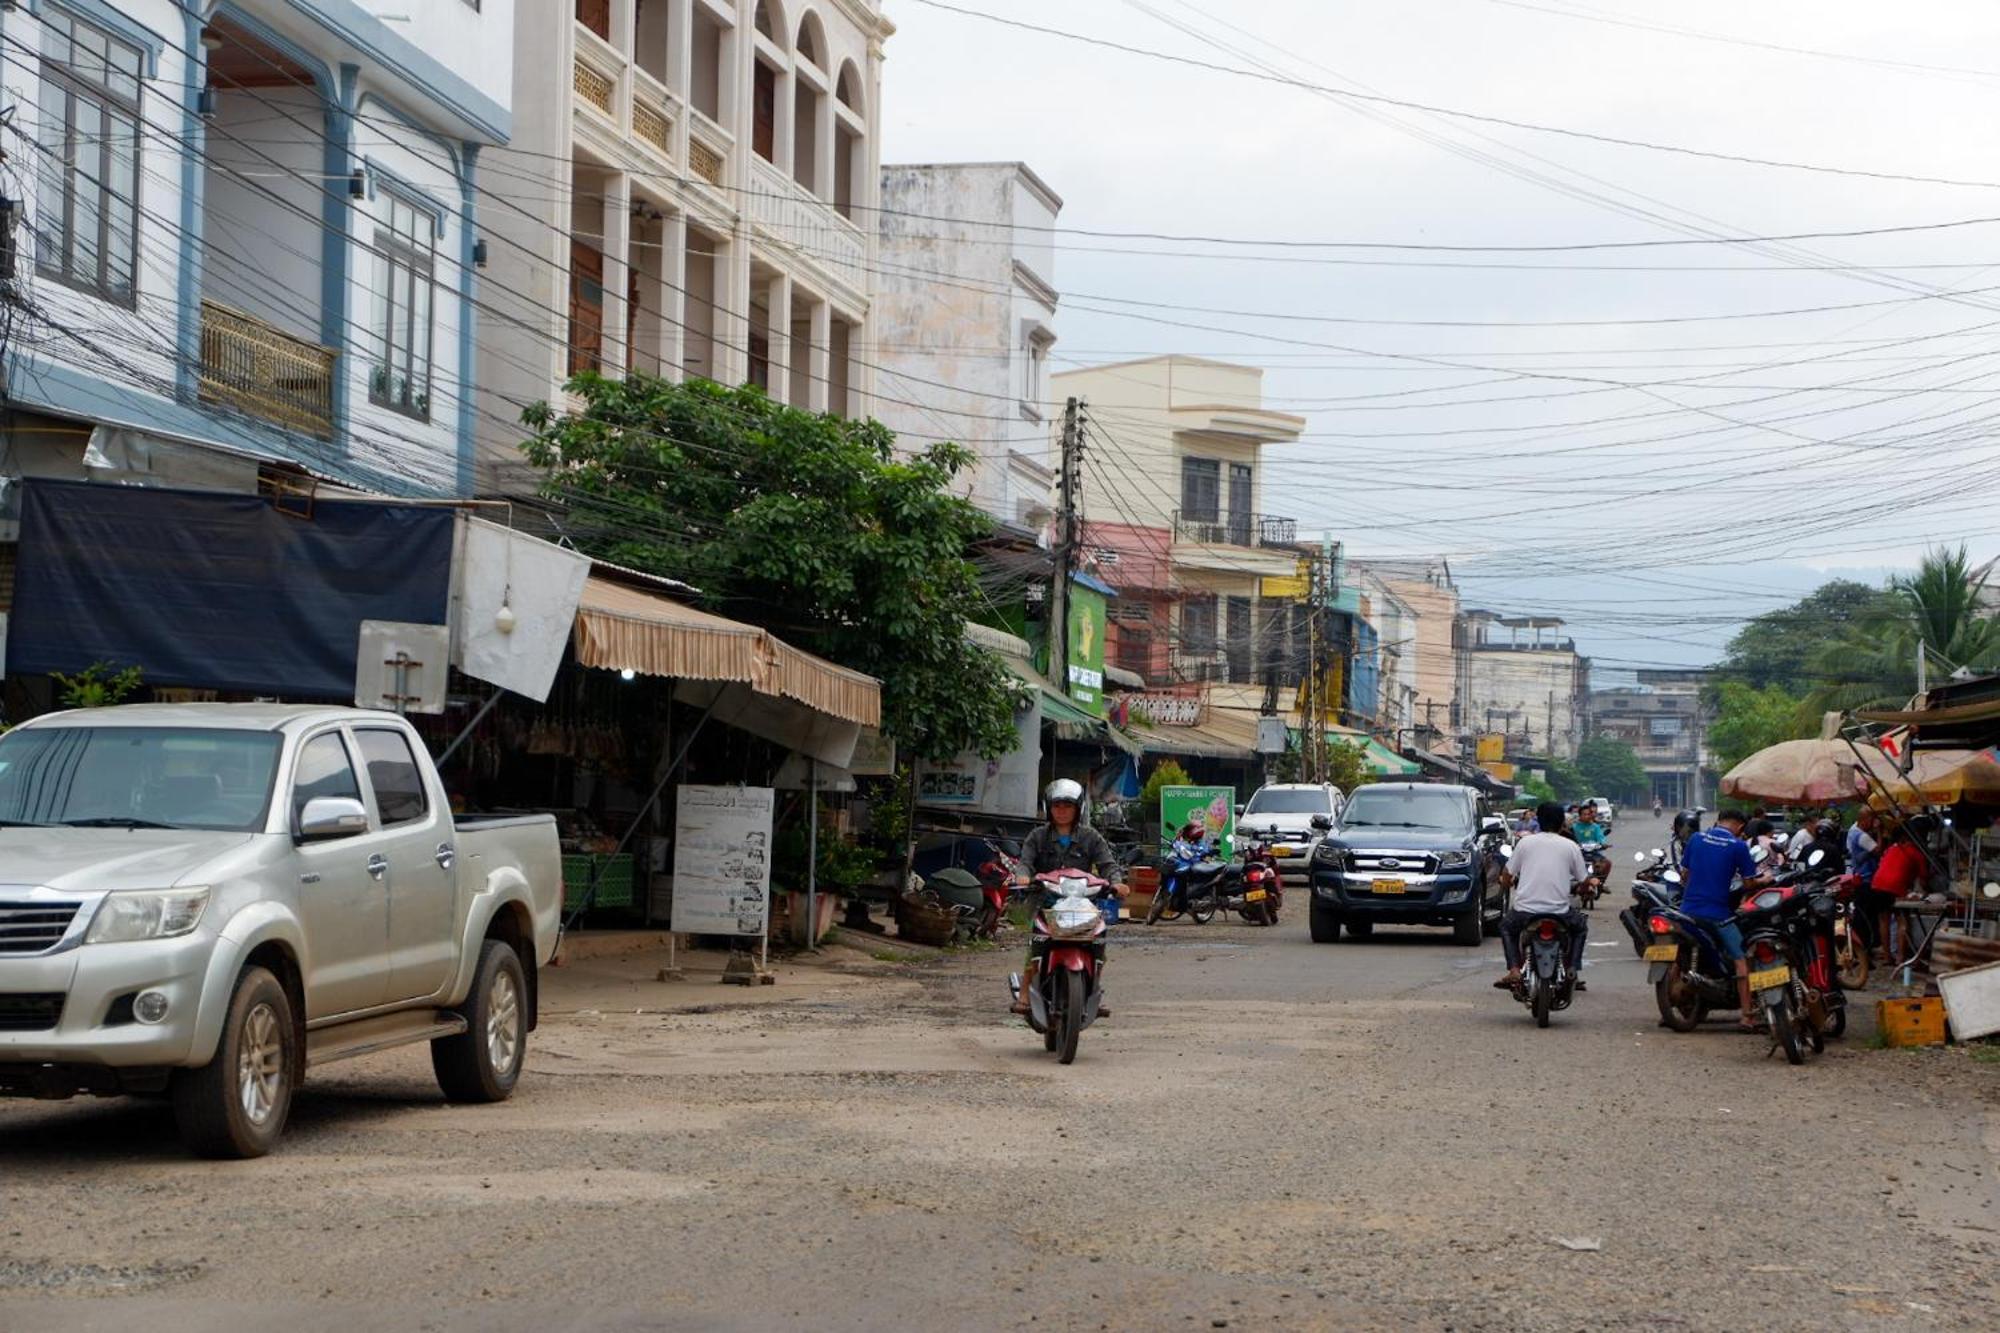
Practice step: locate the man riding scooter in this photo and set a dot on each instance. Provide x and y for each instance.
(1543, 870)
(1065, 842)
(1714, 858)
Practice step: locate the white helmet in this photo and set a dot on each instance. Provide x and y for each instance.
(1063, 789)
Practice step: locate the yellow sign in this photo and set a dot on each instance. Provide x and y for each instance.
(1286, 588)
(1504, 772)
(1492, 748)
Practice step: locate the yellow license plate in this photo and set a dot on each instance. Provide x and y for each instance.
(1389, 886)
(1254, 896)
(1281, 851)
(1662, 953)
(1769, 977)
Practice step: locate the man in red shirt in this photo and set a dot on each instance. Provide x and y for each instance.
(1899, 874)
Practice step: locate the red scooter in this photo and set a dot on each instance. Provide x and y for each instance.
(1263, 886)
(996, 885)
(1068, 952)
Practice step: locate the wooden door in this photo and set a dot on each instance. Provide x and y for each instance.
(764, 102)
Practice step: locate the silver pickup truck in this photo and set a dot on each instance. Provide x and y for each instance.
(207, 899)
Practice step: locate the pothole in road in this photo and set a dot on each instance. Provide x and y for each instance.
(92, 1279)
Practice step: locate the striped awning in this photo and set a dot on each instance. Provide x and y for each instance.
(623, 629)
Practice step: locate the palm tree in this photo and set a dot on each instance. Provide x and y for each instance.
(1936, 613)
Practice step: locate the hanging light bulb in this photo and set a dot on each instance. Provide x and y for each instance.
(504, 619)
(628, 674)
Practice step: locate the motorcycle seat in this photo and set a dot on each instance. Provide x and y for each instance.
(1203, 871)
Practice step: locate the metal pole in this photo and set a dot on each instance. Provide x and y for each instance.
(812, 853)
(466, 734)
(1923, 668)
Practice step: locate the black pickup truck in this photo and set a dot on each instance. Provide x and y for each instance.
(1408, 854)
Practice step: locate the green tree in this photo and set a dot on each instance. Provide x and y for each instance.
(1781, 647)
(1567, 780)
(809, 525)
(1534, 791)
(1347, 764)
(1611, 768)
(1166, 773)
(1748, 719)
(1934, 612)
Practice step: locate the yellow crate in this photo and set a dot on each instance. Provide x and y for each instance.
(1911, 1022)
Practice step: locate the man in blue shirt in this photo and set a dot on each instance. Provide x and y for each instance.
(1864, 849)
(1711, 862)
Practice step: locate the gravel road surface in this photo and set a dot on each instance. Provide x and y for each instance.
(1266, 1134)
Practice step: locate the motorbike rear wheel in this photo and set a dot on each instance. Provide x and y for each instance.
(1682, 1014)
(1161, 896)
(1071, 1025)
(1542, 1002)
(1785, 1033)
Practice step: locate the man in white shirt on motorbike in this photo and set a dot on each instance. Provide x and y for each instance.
(1544, 870)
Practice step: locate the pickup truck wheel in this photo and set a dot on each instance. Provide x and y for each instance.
(483, 1063)
(1325, 926)
(236, 1104)
(1470, 928)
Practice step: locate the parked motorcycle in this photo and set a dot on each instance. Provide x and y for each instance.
(1068, 950)
(1263, 887)
(1193, 882)
(1655, 884)
(996, 886)
(1850, 938)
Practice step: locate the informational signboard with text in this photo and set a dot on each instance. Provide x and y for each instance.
(1214, 808)
(722, 860)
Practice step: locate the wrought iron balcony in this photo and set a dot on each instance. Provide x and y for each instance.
(1217, 528)
(256, 368)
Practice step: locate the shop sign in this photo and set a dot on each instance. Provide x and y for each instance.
(950, 786)
(1086, 648)
(874, 755)
(722, 860)
(1213, 808)
(1170, 710)
(1492, 747)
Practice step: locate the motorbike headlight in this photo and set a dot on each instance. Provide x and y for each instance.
(124, 917)
(1454, 860)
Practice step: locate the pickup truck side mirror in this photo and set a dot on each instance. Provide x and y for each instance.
(326, 817)
(1491, 824)
(1239, 809)
(1322, 822)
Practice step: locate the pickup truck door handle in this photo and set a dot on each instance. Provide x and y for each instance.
(445, 855)
(378, 866)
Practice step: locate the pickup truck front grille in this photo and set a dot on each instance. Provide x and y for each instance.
(33, 1011)
(1407, 863)
(33, 927)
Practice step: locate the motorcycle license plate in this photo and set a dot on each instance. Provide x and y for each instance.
(1254, 896)
(1389, 886)
(1769, 977)
(1662, 953)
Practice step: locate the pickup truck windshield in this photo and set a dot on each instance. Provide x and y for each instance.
(1289, 803)
(1444, 811)
(137, 777)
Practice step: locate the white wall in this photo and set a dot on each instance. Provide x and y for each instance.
(262, 206)
(475, 44)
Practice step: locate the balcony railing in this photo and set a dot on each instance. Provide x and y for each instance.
(654, 111)
(251, 366)
(801, 220)
(1214, 528)
(594, 86)
(708, 147)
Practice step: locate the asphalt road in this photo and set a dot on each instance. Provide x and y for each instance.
(1266, 1134)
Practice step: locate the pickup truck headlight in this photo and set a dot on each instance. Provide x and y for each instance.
(124, 917)
(1454, 860)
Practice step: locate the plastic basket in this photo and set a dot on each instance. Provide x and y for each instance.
(1911, 1022)
(614, 881)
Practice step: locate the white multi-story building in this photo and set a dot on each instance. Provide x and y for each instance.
(245, 236)
(1524, 679)
(694, 186)
(965, 306)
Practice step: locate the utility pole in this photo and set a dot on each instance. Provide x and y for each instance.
(1923, 668)
(1069, 484)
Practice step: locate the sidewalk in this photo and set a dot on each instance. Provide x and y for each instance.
(620, 972)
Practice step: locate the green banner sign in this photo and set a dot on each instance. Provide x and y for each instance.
(1213, 808)
(1086, 648)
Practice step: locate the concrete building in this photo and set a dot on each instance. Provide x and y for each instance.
(1662, 719)
(246, 238)
(1395, 625)
(1525, 680)
(963, 316)
(1430, 643)
(696, 186)
(1174, 475)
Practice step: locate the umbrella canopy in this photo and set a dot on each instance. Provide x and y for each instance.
(1812, 772)
(1944, 777)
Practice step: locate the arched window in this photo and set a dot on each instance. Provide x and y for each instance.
(849, 88)
(812, 41)
(850, 148)
(763, 20)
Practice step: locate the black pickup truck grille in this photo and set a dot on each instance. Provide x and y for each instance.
(33, 927)
(33, 1011)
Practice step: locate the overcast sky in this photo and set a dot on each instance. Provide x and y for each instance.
(1760, 449)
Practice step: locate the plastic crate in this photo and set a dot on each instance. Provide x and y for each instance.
(614, 881)
(1911, 1022)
